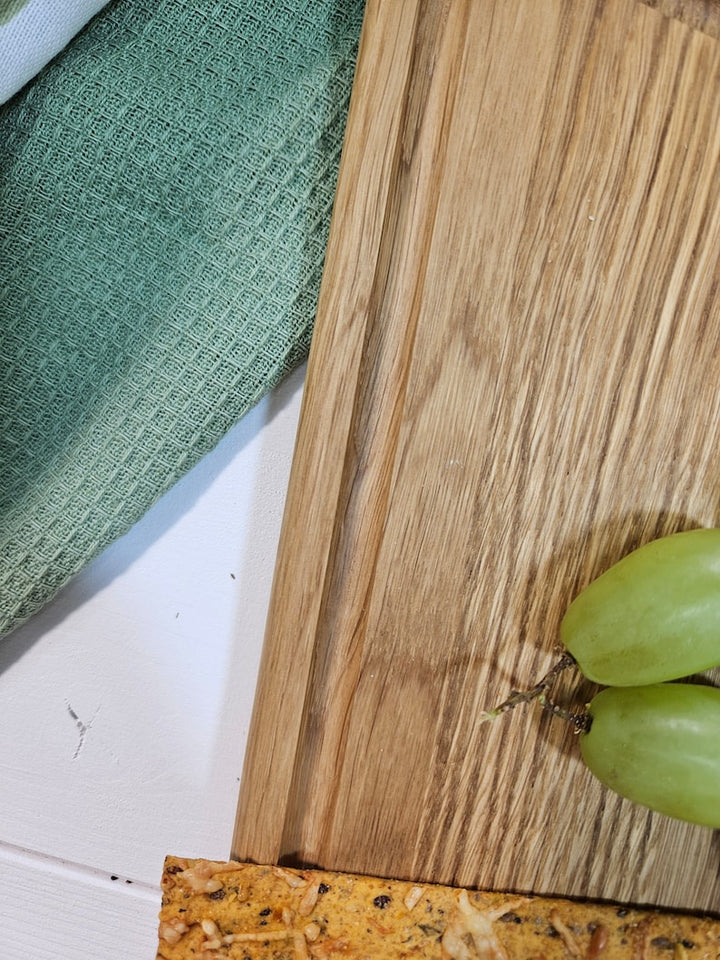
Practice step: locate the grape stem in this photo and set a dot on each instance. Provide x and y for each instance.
(581, 721)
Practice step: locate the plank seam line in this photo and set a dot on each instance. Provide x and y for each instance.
(14, 853)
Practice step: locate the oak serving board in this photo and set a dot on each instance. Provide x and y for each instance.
(514, 380)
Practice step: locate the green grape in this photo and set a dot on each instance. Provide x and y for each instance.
(653, 616)
(659, 746)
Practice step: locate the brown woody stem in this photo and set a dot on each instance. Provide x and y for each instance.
(538, 692)
(581, 721)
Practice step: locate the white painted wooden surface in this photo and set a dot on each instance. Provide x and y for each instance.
(126, 703)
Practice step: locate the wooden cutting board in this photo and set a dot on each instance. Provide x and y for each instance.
(514, 380)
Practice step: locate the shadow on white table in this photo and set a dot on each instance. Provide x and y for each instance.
(127, 700)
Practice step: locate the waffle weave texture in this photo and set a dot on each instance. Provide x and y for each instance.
(166, 185)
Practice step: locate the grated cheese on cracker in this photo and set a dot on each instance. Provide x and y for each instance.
(241, 911)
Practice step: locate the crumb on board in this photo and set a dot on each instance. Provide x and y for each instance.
(242, 911)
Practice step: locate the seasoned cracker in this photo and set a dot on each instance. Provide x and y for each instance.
(241, 911)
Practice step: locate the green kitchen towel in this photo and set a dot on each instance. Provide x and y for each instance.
(166, 185)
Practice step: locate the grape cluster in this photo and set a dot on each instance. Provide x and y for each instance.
(654, 618)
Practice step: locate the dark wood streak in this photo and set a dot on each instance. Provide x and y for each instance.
(703, 15)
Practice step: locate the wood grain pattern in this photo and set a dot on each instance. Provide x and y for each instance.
(699, 14)
(513, 381)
